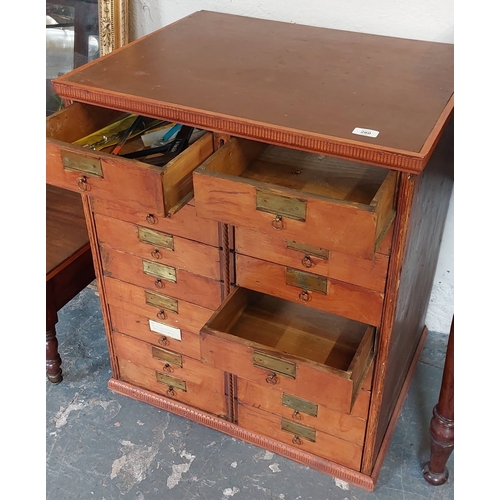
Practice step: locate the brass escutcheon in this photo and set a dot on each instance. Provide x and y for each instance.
(156, 254)
(277, 223)
(151, 219)
(82, 184)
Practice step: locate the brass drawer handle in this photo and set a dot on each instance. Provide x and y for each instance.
(171, 391)
(151, 219)
(82, 184)
(296, 440)
(304, 296)
(161, 314)
(156, 254)
(159, 283)
(168, 368)
(307, 262)
(277, 223)
(272, 379)
(296, 415)
(163, 341)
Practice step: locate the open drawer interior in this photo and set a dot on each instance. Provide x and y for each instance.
(273, 330)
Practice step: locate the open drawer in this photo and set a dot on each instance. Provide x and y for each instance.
(155, 190)
(323, 201)
(310, 354)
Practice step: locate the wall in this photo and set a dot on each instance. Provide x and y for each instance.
(419, 19)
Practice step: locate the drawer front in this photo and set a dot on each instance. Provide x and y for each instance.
(349, 427)
(319, 292)
(185, 223)
(161, 278)
(236, 187)
(141, 186)
(205, 392)
(300, 436)
(158, 246)
(159, 307)
(158, 333)
(300, 380)
(366, 273)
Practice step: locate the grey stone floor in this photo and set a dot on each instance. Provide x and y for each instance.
(100, 445)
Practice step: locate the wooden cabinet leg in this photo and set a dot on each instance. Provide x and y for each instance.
(442, 423)
(54, 371)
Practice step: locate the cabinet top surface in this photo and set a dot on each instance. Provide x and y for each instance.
(302, 86)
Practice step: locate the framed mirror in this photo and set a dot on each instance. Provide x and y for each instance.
(78, 31)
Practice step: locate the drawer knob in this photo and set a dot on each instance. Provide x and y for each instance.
(277, 223)
(168, 368)
(159, 283)
(296, 440)
(82, 184)
(163, 341)
(304, 296)
(156, 254)
(307, 262)
(151, 219)
(161, 314)
(272, 379)
(296, 415)
(171, 391)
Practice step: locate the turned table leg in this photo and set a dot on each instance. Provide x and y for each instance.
(441, 428)
(53, 360)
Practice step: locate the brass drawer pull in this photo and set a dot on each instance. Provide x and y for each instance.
(307, 262)
(296, 440)
(159, 283)
(296, 415)
(304, 296)
(168, 368)
(277, 223)
(161, 314)
(163, 341)
(272, 379)
(156, 254)
(151, 219)
(82, 184)
(171, 391)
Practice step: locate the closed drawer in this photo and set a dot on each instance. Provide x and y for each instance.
(367, 273)
(288, 346)
(156, 190)
(184, 223)
(323, 201)
(191, 383)
(162, 278)
(318, 292)
(158, 246)
(305, 412)
(300, 436)
(159, 307)
(159, 333)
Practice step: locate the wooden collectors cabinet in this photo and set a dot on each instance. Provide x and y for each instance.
(271, 281)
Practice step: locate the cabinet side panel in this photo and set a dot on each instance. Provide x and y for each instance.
(423, 207)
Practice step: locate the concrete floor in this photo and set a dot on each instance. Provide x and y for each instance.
(100, 445)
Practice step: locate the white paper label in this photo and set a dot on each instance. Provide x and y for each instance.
(168, 331)
(366, 132)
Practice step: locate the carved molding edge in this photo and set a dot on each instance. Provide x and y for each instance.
(113, 25)
(320, 464)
